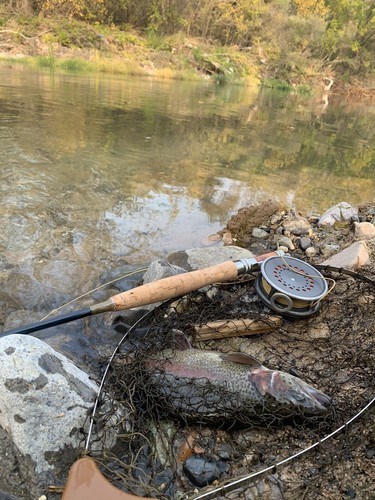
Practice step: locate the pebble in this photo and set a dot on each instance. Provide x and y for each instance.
(259, 233)
(215, 237)
(364, 230)
(351, 493)
(284, 249)
(286, 242)
(304, 243)
(320, 331)
(225, 451)
(329, 249)
(366, 300)
(298, 227)
(310, 252)
(202, 471)
(227, 238)
(275, 218)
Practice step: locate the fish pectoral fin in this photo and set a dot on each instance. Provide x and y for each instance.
(261, 381)
(240, 358)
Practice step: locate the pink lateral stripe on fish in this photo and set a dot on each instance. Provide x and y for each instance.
(199, 383)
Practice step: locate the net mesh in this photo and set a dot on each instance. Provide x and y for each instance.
(172, 443)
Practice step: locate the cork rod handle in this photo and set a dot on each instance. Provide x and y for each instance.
(174, 286)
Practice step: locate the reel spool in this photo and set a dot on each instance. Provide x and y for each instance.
(291, 287)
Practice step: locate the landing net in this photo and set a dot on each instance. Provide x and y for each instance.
(168, 452)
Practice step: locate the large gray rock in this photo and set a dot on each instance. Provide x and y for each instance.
(160, 269)
(353, 257)
(343, 211)
(199, 258)
(44, 402)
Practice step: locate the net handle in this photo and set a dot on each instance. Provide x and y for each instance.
(86, 482)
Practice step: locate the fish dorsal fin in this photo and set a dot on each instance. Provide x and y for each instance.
(179, 341)
(240, 358)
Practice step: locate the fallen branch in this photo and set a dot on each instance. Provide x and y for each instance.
(15, 33)
(235, 327)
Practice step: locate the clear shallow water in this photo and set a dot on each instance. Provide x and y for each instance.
(98, 171)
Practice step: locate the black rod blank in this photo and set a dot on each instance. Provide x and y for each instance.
(41, 325)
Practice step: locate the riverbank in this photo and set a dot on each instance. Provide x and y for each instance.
(44, 393)
(71, 45)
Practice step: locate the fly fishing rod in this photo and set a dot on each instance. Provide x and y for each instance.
(156, 291)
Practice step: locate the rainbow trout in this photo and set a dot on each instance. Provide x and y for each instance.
(199, 384)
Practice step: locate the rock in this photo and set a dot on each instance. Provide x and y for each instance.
(123, 277)
(364, 230)
(227, 238)
(298, 227)
(284, 249)
(366, 300)
(319, 332)
(352, 258)
(270, 488)
(329, 249)
(45, 401)
(160, 269)
(214, 237)
(24, 289)
(350, 492)
(340, 212)
(310, 252)
(304, 243)
(198, 258)
(202, 471)
(225, 451)
(257, 232)
(19, 318)
(276, 218)
(286, 242)
(5, 496)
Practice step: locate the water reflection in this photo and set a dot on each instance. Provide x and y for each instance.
(100, 171)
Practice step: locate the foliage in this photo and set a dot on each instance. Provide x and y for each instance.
(306, 8)
(273, 83)
(350, 35)
(289, 37)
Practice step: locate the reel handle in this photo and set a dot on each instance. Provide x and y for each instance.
(279, 307)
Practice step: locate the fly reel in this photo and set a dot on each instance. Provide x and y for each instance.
(291, 287)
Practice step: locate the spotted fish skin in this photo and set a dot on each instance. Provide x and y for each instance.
(199, 383)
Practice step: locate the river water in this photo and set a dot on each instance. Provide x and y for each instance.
(100, 171)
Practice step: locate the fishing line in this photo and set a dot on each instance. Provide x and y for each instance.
(102, 382)
(273, 468)
(94, 290)
(333, 282)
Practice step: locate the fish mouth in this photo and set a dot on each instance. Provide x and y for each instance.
(323, 400)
